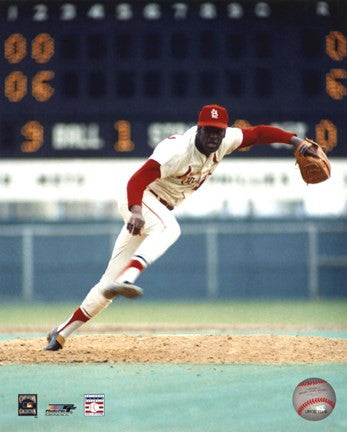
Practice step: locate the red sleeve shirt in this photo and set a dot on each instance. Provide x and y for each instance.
(149, 172)
(263, 134)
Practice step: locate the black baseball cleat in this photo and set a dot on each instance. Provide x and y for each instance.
(125, 289)
(55, 341)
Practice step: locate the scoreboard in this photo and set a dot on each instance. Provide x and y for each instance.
(110, 79)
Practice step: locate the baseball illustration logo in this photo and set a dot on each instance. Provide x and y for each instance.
(314, 399)
(94, 404)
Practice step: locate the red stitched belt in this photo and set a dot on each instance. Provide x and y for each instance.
(168, 206)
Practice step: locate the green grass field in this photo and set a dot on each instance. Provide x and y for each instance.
(325, 313)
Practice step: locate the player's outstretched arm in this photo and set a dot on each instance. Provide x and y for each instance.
(264, 134)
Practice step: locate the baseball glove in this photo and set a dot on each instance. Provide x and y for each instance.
(314, 164)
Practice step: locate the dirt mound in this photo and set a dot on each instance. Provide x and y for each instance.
(116, 348)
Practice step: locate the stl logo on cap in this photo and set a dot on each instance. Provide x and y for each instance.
(213, 115)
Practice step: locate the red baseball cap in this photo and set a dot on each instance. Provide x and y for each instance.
(213, 115)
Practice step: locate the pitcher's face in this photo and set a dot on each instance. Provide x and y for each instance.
(209, 139)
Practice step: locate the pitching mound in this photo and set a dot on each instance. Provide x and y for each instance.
(117, 348)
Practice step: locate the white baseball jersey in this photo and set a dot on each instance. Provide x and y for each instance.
(183, 167)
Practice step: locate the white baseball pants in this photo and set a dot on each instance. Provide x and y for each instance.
(160, 231)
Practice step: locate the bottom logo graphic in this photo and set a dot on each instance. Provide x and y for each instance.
(60, 409)
(94, 404)
(27, 405)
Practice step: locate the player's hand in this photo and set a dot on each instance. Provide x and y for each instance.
(136, 221)
(305, 150)
(310, 151)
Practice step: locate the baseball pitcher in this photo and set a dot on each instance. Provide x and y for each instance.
(178, 166)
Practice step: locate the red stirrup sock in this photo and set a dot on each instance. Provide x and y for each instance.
(132, 270)
(77, 319)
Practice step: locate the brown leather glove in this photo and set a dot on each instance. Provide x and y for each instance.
(314, 164)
